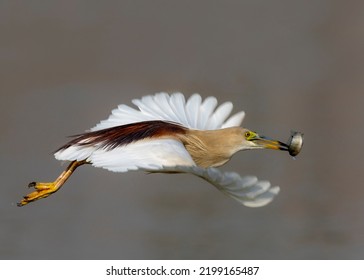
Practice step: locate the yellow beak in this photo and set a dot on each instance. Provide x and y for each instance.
(267, 143)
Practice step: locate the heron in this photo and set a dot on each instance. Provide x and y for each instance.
(165, 133)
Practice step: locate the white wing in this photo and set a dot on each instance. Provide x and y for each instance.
(151, 154)
(246, 190)
(194, 114)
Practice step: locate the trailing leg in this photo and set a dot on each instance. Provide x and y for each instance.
(43, 190)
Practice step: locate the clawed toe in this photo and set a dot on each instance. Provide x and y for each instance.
(43, 190)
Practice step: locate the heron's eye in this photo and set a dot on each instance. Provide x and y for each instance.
(250, 135)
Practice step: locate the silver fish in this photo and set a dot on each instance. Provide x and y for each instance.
(295, 143)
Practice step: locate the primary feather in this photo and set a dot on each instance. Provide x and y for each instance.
(130, 149)
(173, 108)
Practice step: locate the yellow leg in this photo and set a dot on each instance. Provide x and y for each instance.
(42, 190)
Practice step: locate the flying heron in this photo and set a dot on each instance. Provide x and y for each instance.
(166, 134)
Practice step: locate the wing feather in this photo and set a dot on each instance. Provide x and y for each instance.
(146, 106)
(234, 120)
(162, 99)
(193, 113)
(220, 115)
(122, 115)
(177, 102)
(152, 154)
(247, 190)
(206, 109)
(193, 110)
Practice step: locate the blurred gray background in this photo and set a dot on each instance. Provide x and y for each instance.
(64, 65)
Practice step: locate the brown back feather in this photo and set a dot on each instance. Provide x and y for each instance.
(113, 137)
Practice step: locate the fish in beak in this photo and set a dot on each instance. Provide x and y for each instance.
(293, 146)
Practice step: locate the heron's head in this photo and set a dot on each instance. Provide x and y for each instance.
(251, 140)
(211, 148)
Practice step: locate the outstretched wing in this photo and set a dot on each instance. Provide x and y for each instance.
(151, 155)
(247, 190)
(144, 145)
(195, 113)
